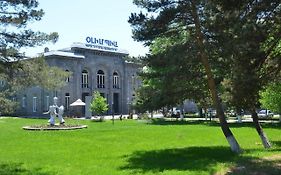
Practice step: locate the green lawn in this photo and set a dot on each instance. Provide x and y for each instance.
(134, 147)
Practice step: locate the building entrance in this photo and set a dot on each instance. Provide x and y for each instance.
(116, 103)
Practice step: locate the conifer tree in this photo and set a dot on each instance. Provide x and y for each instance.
(16, 72)
(169, 18)
(241, 36)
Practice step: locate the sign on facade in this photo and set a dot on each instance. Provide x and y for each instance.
(103, 44)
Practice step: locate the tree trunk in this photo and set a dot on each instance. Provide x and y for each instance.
(211, 83)
(259, 129)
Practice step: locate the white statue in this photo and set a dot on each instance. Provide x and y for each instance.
(60, 113)
(53, 112)
(56, 101)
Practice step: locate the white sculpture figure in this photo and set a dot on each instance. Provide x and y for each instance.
(53, 113)
(60, 113)
(56, 101)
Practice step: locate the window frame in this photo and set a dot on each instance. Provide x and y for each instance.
(100, 79)
(116, 80)
(34, 104)
(85, 79)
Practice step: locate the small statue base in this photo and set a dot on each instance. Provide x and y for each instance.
(54, 127)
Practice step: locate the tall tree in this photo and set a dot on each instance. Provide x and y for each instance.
(168, 18)
(15, 34)
(171, 75)
(248, 39)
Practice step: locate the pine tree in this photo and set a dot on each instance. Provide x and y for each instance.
(248, 38)
(15, 70)
(168, 19)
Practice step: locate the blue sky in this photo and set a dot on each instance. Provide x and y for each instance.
(75, 20)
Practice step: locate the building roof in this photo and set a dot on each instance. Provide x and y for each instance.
(99, 48)
(63, 53)
(68, 52)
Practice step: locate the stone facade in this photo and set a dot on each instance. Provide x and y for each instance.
(92, 70)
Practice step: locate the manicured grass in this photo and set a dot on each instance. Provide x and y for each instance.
(134, 147)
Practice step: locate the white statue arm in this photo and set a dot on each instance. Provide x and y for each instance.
(46, 112)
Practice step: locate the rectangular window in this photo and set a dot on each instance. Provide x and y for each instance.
(66, 101)
(85, 80)
(23, 102)
(34, 104)
(67, 78)
(47, 103)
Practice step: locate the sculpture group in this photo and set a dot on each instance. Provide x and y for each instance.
(53, 112)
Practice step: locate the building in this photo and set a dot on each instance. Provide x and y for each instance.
(96, 66)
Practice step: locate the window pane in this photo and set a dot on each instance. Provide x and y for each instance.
(34, 104)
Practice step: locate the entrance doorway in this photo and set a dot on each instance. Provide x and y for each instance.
(116, 103)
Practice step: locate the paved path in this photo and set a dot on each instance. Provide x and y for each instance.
(244, 120)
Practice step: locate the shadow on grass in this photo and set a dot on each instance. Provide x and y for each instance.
(263, 166)
(19, 169)
(191, 158)
(276, 143)
(196, 160)
(251, 125)
(177, 122)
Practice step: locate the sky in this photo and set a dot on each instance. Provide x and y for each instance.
(75, 20)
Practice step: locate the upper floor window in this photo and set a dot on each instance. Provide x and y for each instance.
(85, 79)
(115, 80)
(67, 78)
(100, 79)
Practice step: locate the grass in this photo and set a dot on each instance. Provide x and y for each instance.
(135, 147)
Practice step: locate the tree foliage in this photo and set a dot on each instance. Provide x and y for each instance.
(171, 75)
(28, 73)
(271, 97)
(248, 37)
(14, 34)
(98, 104)
(226, 38)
